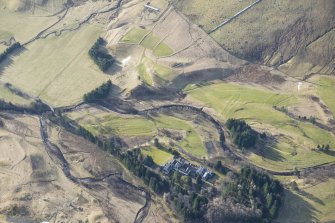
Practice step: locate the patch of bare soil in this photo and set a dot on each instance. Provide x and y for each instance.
(176, 135)
(196, 57)
(33, 186)
(255, 74)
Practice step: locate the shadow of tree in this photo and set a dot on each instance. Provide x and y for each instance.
(330, 153)
(115, 68)
(296, 209)
(10, 60)
(265, 149)
(310, 197)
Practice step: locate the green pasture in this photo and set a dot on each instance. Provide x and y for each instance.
(192, 143)
(326, 90)
(147, 40)
(255, 105)
(58, 69)
(144, 75)
(109, 124)
(112, 124)
(160, 157)
(313, 204)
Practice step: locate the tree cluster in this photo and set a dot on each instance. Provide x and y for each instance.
(248, 197)
(36, 107)
(323, 148)
(98, 93)
(9, 50)
(243, 135)
(135, 162)
(254, 193)
(187, 203)
(100, 55)
(219, 167)
(132, 159)
(174, 152)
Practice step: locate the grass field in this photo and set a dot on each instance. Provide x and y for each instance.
(135, 35)
(160, 157)
(8, 96)
(4, 35)
(159, 70)
(111, 124)
(326, 90)
(144, 75)
(313, 204)
(148, 69)
(58, 69)
(192, 143)
(255, 105)
(209, 14)
(22, 26)
(147, 40)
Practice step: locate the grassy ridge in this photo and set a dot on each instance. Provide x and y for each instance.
(312, 204)
(192, 142)
(114, 125)
(107, 124)
(148, 69)
(209, 14)
(159, 156)
(293, 148)
(326, 90)
(147, 40)
(144, 75)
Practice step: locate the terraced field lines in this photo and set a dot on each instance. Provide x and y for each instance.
(130, 126)
(103, 123)
(255, 106)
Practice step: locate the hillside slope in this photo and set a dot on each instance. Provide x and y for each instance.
(274, 33)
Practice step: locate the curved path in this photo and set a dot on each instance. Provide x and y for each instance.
(219, 127)
(200, 111)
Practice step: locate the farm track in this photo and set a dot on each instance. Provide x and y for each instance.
(58, 158)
